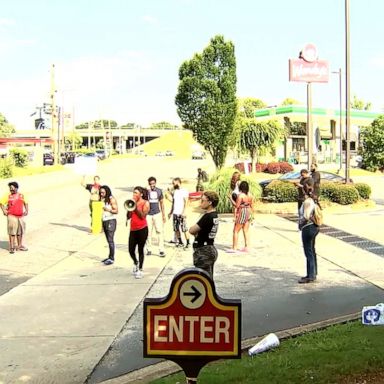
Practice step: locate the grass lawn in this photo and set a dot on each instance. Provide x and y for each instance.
(27, 171)
(339, 354)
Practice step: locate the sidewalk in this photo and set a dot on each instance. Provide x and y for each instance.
(79, 318)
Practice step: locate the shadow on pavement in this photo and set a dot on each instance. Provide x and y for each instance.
(78, 227)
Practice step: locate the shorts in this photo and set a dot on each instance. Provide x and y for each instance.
(179, 223)
(16, 225)
(205, 257)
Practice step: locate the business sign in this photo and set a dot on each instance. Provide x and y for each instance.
(192, 321)
(308, 68)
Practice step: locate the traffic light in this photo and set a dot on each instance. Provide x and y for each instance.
(39, 123)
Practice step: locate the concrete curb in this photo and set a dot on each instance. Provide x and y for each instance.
(166, 368)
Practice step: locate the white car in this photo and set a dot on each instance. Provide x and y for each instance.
(198, 155)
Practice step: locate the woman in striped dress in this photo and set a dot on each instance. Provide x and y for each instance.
(243, 215)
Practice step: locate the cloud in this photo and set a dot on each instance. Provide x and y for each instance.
(377, 61)
(150, 19)
(4, 22)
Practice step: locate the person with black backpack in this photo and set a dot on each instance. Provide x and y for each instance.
(309, 231)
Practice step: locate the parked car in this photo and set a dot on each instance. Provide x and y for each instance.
(48, 159)
(198, 155)
(161, 154)
(294, 176)
(169, 153)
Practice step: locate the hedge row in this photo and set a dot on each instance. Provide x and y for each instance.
(285, 191)
(274, 167)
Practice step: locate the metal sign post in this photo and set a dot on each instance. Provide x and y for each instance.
(308, 68)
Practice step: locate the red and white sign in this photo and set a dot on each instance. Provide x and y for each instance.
(308, 68)
(192, 320)
(309, 72)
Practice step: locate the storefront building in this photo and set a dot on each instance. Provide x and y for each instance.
(329, 137)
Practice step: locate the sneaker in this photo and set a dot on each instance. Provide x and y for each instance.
(179, 245)
(108, 262)
(172, 242)
(186, 246)
(12, 250)
(135, 269)
(139, 274)
(245, 250)
(103, 261)
(306, 280)
(162, 254)
(149, 253)
(22, 248)
(231, 250)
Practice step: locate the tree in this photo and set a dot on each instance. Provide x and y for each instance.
(373, 145)
(290, 101)
(360, 104)
(206, 98)
(249, 105)
(98, 124)
(258, 136)
(73, 140)
(163, 125)
(6, 129)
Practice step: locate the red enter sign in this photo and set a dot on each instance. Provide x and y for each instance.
(192, 320)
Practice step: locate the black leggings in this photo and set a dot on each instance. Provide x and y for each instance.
(138, 238)
(109, 227)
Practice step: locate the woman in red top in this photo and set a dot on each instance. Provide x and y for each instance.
(139, 229)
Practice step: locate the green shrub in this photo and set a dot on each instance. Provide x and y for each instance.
(220, 183)
(328, 190)
(364, 190)
(345, 194)
(281, 191)
(6, 168)
(19, 156)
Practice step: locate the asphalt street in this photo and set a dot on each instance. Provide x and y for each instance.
(65, 319)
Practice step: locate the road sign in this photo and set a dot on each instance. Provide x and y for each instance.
(192, 320)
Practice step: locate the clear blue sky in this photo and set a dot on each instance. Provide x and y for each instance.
(119, 59)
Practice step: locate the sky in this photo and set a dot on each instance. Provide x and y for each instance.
(119, 59)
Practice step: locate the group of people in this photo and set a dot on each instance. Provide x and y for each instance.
(147, 217)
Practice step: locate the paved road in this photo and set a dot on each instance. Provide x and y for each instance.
(72, 318)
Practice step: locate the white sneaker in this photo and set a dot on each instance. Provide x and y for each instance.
(139, 274)
(135, 269)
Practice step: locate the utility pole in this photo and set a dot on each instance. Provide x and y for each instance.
(309, 125)
(55, 134)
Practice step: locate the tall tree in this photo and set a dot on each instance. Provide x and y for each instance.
(373, 143)
(360, 104)
(206, 98)
(6, 129)
(248, 106)
(258, 136)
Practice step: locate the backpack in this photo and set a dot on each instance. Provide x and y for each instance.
(204, 176)
(317, 215)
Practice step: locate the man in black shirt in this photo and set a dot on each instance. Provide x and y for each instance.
(205, 230)
(305, 179)
(315, 175)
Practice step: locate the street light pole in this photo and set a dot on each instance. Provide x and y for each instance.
(347, 93)
(340, 119)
